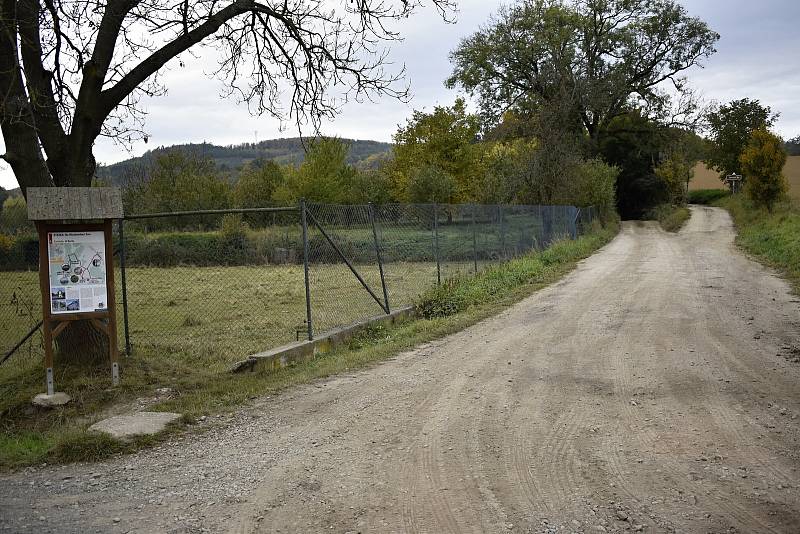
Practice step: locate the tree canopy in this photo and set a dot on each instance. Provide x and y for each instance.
(70, 72)
(591, 60)
(731, 127)
(762, 162)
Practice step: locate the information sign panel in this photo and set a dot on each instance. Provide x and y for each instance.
(77, 272)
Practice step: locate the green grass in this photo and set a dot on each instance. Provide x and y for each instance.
(772, 238)
(671, 218)
(201, 386)
(707, 196)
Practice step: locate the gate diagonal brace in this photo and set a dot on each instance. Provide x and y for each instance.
(347, 262)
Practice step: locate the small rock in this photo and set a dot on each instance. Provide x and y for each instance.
(621, 515)
(43, 400)
(117, 520)
(600, 528)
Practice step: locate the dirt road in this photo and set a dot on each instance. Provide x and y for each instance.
(654, 389)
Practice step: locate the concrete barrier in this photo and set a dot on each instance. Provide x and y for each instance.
(300, 351)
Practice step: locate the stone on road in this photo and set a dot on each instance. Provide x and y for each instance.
(651, 390)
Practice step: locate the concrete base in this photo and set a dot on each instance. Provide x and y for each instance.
(43, 400)
(305, 350)
(140, 423)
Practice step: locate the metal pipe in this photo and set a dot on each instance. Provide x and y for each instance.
(344, 258)
(371, 210)
(436, 243)
(120, 226)
(209, 212)
(21, 342)
(474, 241)
(304, 222)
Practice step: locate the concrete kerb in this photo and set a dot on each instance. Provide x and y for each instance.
(305, 350)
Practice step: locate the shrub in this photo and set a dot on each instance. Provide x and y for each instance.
(762, 163)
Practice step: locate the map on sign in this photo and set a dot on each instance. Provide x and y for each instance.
(77, 272)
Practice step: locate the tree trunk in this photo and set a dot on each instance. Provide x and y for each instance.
(82, 343)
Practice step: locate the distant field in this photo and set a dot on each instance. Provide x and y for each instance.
(705, 178)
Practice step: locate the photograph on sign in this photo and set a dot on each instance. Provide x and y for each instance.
(77, 272)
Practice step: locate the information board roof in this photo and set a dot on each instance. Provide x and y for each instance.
(74, 203)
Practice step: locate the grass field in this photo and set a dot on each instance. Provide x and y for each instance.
(230, 312)
(705, 178)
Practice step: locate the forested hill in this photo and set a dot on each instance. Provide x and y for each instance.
(230, 159)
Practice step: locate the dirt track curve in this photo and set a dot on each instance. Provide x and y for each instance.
(654, 389)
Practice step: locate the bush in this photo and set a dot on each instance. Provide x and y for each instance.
(595, 185)
(707, 196)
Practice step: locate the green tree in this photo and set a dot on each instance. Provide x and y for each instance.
(731, 127)
(257, 183)
(762, 163)
(179, 182)
(446, 140)
(634, 144)
(586, 61)
(3, 197)
(14, 216)
(679, 158)
(431, 184)
(324, 175)
(793, 146)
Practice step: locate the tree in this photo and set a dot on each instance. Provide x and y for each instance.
(678, 160)
(3, 197)
(793, 146)
(731, 127)
(634, 144)
(587, 61)
(70, 73)
(444, 140)
(324, 175)
(431, 184)
(762, 163)
(257, 183)
(179, 182)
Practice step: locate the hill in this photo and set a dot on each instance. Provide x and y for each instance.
(230, 159)
(705, 178)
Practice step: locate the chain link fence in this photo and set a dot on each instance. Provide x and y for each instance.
(229, 283)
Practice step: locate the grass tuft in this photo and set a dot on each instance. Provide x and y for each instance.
(671, 218)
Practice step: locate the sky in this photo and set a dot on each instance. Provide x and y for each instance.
(757, 57)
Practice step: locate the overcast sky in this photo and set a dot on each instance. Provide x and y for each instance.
(757, 58)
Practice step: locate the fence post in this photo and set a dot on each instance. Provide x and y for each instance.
(371, 209)
(436, 243)
(121, 226)
(502, 231)
(474, 240)
(304, 223)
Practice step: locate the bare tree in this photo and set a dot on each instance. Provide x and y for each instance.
(71, 71)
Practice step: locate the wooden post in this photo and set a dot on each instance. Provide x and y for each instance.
(108, 230)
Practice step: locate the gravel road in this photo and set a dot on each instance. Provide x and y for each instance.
(654, 389)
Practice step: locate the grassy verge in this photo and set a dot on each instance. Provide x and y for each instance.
(772, 238)
(707, 196)
(29, 437)
(671, 218)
